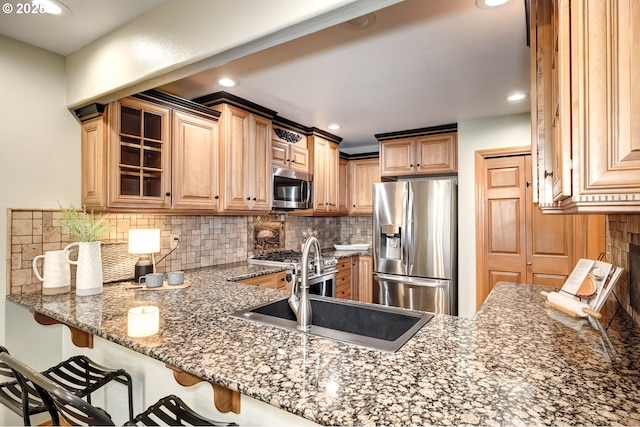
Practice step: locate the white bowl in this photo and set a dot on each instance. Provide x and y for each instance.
(353, 247)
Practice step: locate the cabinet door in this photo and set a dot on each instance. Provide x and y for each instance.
(279, 153)
(344, 186)
(605, 72)
(396, 157)
(362, 175)
(235, 128)
(332, 176)
(320, 148)
(436, 154)
(195, 162)
(140, 155)
(94, 162)
(257, 154)
(299, 157)
(365, 278)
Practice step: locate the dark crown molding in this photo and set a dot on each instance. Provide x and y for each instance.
(227, 98)
(433, 130)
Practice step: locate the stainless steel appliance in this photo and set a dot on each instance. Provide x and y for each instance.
(415, 244)
(323, 284)
(291, 189)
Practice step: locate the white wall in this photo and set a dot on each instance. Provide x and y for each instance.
(179, 38)
(39, 167)
(483, 134)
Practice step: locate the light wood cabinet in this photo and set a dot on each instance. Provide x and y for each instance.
(195, 152)
(343, 187)
(142, 153)
(271, 281)
(289, 150)
(343, 278)
(585, 94)
(246, 154)
(362, 174)
(415, 154)
(365, 278)
(326, 158)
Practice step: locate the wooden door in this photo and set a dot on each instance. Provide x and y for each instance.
(94, 162)
(518, 242)
(504, 236)
(332, 175)
(550, 238)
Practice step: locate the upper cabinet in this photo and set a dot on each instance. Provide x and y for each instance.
(245, 133)
(289, 149)
(150, 151)
(418, 152)
(585, 95)
(326, 167)
(361, 175)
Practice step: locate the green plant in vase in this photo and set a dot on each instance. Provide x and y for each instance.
(84, 226)
(87, 229)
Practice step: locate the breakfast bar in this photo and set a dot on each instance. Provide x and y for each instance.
(517, 362)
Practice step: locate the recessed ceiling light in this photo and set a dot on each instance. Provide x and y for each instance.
(227, 82)
(334, 126)
(52, 7)
(518, 96)
(487, 4)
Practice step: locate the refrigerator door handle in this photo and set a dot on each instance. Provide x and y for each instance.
(413, 280)
(408, 255)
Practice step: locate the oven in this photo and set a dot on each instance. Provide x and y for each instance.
(323, 284)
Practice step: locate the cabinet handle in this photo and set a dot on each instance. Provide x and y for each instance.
(293, 161)
(248, 198)
(167, 194)
(354, 206)
(418, 165)
(254, 199)
(529, 264)
(216, 197)
(288, 160)
(546, 174)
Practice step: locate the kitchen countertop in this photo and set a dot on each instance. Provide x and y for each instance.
(516, 363)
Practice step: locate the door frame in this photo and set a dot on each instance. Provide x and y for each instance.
(480, 157)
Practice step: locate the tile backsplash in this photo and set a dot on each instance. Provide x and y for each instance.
(623, 231)
(204, 240)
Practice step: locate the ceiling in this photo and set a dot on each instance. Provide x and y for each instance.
(421, 63)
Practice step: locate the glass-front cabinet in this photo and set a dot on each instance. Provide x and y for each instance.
(142, 149)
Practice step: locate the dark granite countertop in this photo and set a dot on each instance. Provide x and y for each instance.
(517, 363)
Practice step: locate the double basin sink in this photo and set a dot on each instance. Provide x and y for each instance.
(374, 326)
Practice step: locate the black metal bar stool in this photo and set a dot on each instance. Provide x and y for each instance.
(78, 375)
(169, 410)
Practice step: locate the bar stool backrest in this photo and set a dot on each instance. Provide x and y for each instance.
(72, 408)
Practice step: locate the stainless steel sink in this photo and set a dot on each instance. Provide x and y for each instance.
(373, 326)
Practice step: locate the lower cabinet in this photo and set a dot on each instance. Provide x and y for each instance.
(271, 281)
(343, 279)
(365, 278)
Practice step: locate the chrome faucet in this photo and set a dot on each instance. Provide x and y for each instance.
(301, 305)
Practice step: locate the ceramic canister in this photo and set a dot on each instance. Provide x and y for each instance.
(56, 277)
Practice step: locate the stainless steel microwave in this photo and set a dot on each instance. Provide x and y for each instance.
(291, 189)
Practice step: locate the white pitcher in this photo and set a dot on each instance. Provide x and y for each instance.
(89, 270)
(56, 278)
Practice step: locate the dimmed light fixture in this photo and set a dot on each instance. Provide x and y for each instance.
(518, 96)
(227, 82)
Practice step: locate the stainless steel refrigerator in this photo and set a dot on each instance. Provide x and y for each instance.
(415, 244)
